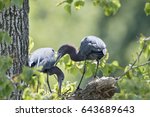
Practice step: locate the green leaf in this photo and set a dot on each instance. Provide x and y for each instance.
(115, 63)
(7, 3)
(110, 7)
(65, 1)
(96, 2)
(4, 4)
(142, 41)
(1, 5)
(147, 51)
(5, 63)
(67, 7)
(7, 38)
(17, 3)
(147, 8)
(4, 37)
(1, 37)
(79, 4)
(27, 74)
(69, 1)
(31, 44)
(6, 86)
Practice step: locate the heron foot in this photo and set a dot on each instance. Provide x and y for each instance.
(50, 91)
(78, 89)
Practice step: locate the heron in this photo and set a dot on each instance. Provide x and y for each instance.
(91, 48)
(45, 57)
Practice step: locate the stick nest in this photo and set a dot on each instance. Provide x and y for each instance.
(98, 89)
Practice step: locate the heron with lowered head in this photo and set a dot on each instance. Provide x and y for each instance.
(91, 48)
(45, 57)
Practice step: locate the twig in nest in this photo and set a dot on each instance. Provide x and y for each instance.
(98, 89)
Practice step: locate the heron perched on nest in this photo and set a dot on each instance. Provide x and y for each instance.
(91, 48)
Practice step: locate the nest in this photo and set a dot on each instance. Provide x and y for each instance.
(98, 89)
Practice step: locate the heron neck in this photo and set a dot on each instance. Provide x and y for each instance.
(74, 55)
(57, 71)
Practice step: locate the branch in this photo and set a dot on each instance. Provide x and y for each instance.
(138, 57)
(146, 63)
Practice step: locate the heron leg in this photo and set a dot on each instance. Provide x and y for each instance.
(84, 70)
(48, 84)
(96, 68)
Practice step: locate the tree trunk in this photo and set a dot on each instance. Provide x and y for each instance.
(15, 22)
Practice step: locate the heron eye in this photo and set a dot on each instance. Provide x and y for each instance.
(53, 50)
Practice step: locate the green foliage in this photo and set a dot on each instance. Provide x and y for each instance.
(4, 4)
(111, 68)
(17, 3)
(5, 63)
(31, 44)
(4, 37)
(135, 84)
(34, 86)
(110, 7)
(67, 7)
(135, 88)
(145, 43)
(68, 3)
(78, 4)
(147, 8)
(6, 86)
(76, 68)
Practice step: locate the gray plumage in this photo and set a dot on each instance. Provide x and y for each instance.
(42, 57)
(46, 57)
(91, 48)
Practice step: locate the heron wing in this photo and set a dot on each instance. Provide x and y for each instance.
(92, 46)
(42, 57)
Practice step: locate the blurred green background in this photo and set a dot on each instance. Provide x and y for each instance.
(52, 26)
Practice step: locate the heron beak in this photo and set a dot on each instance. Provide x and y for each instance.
(59, 86)
(58, 58)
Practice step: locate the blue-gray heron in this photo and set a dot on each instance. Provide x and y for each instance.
(45, 57)
(91, 48)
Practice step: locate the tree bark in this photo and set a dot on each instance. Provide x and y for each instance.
(15, 22)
